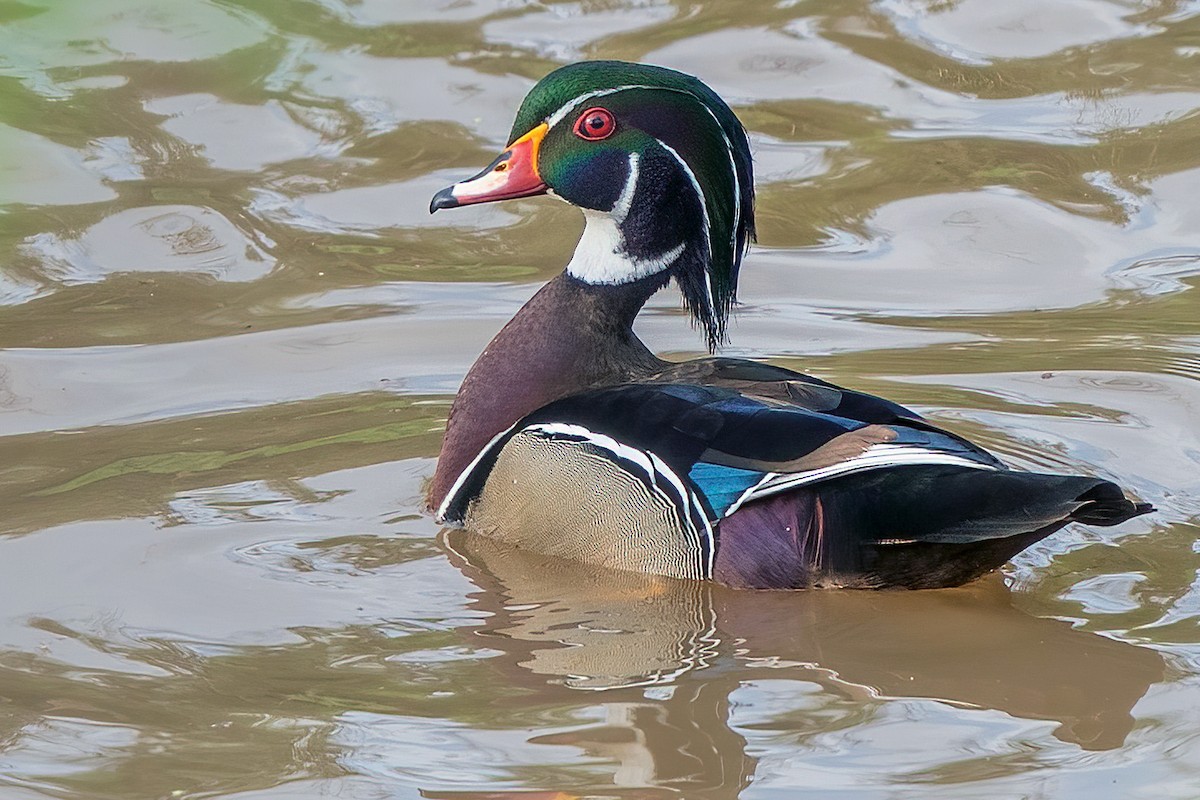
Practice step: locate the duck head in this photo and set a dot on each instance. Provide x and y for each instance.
(659, 165)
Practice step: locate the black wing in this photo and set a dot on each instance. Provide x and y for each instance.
(733, 446)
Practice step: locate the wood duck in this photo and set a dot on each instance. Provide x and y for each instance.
(571, 438)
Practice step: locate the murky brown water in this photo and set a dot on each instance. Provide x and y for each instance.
(231, 333)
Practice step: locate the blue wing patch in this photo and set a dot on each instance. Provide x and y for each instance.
(722, 486)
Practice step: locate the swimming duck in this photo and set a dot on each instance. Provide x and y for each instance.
(570, 437)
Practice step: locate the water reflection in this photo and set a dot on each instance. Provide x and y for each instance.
(590, 629)
(551, 676)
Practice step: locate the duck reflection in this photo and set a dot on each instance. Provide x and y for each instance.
(688, 645)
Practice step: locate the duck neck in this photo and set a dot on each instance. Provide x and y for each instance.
(570, 336)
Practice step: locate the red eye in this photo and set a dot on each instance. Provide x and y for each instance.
(595, 124)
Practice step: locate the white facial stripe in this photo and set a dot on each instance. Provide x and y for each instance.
(567, 107)
(600, 256)
(620, 209)
(571, 105)
(737, 184)
(574, 103)
(704, 213)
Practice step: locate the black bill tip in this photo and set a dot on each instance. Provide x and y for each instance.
(443, 199)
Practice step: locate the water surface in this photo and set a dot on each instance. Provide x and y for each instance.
(230, 333)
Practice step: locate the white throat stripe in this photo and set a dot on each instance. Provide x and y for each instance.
(601, 257)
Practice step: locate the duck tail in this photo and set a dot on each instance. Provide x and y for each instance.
(1106, 505)
(916, 527)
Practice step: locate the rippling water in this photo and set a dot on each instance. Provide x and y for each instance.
(231, 332)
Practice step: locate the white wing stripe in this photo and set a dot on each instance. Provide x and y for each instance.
(875, 457)
(684, 500)
(600, 440)
(751, 492)
(688, 503)
(462, 476)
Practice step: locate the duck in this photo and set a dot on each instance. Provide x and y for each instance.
(569, 437)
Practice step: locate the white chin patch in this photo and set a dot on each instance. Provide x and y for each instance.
(600, 256)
